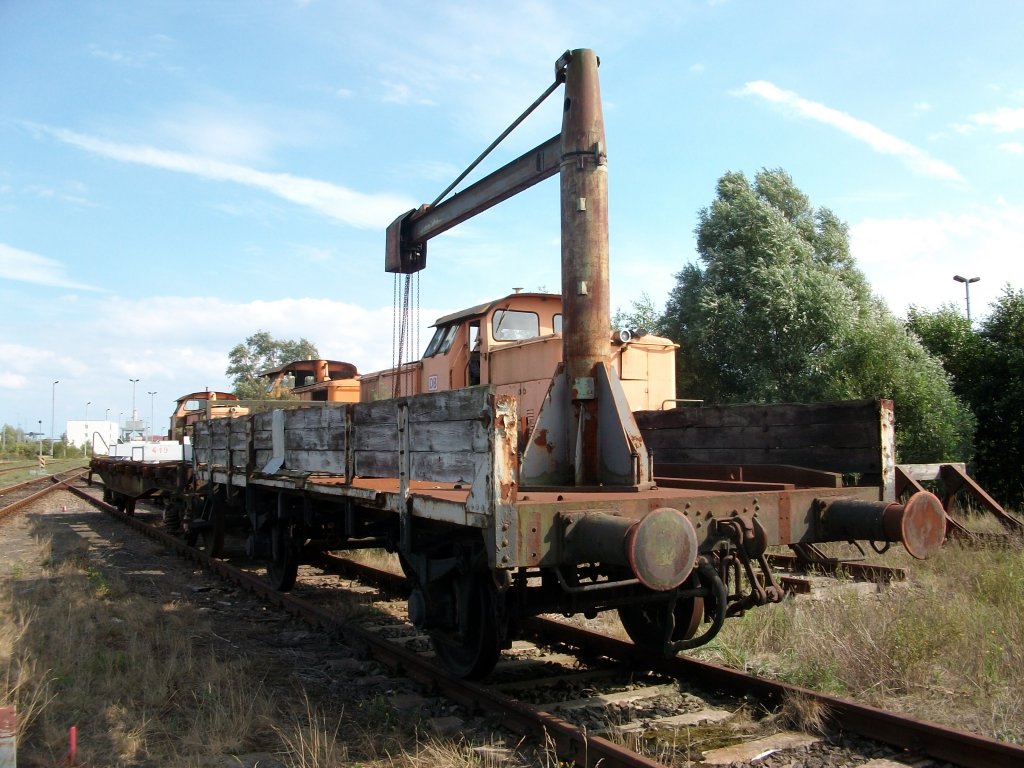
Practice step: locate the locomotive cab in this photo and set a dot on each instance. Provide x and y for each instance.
(515, 343)
(322, 381)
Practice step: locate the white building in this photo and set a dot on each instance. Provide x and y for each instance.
(97, 434)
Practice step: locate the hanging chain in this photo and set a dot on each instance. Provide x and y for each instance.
(394, 321)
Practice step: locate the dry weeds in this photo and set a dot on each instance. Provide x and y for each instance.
(947, 645)
(151, 683)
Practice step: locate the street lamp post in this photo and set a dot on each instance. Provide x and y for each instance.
(151, 414)
(967, 290)
(53, 403)
(133, 416)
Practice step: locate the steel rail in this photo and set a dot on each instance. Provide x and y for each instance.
(950, 744)
(571, 742)
(957, 746)
(9, 509)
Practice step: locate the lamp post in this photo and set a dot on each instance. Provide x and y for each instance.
(133, 416)
(53, 403)
(151, 414)
(967, 290)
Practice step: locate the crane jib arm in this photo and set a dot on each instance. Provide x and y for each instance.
(406, 247)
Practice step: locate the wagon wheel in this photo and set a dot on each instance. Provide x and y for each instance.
(284, 563)
(206, 529)
(645, 623)
(210, 538)
(473, 649)
(171, 514)
(124, 504)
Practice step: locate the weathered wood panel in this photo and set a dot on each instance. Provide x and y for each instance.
(330, 462)
(315, 429)
(376, 464)
(849, 437)
(262, 439)
(448, 436)
(446, 467)
(314, 439)
(838, 437)
(376, 437)
(453, 405)
(761, 414)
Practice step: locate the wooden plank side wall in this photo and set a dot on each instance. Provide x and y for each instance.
(238, 442)
(314, 439)
(448, 435)
(837, 437)
(450, 438)
(262, 439)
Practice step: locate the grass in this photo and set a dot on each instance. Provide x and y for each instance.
(947, 646)
(84, 651)
(150, 683)
(53, 467)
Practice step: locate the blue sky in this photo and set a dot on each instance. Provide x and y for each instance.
(175, 176)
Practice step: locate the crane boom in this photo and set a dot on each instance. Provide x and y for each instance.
(585, 434)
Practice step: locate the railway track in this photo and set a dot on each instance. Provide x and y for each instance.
(14, 497)
(5, 470)
(588, 696)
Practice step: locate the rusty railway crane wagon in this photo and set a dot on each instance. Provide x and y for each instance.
(581, 520)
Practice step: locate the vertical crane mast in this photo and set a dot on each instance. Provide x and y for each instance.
(583, 176)
(585, 435)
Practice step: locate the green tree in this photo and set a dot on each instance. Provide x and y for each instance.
(947, 334)
(777, 311)
(642, 316)
(987, 368)
(261, 352)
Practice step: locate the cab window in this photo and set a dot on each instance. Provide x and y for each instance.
(514, 324)
(442, 340)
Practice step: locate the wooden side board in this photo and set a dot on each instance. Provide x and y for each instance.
(454, 437)
(851, 437)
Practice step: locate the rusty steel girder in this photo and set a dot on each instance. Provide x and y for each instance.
(750, 521)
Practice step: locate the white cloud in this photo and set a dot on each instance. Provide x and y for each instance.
(28, 267)
(174, 345)
(880, 141)
(912, 260)
(402, 93)
(220, 134)
(1013, 147)
(1002, 120)
(357, 209)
